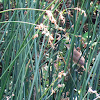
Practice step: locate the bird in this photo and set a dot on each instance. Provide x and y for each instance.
(77, 57)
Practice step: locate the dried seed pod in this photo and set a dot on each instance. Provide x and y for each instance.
(77, 56)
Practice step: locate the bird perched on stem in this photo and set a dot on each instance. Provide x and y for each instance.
(77, 57)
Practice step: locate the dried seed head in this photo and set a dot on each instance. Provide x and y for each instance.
(82, 11)
(35, 36)
(51, 18)
(61, 85)
(61, 73)
(62, 17)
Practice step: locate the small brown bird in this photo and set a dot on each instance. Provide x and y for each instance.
(77, 58)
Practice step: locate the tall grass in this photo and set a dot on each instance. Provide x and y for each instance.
(35, 64)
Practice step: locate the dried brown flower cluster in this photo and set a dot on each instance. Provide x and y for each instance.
(61, 74)
(80, 10)
(45, 32)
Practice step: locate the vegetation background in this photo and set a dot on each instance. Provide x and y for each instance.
(49, 49)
